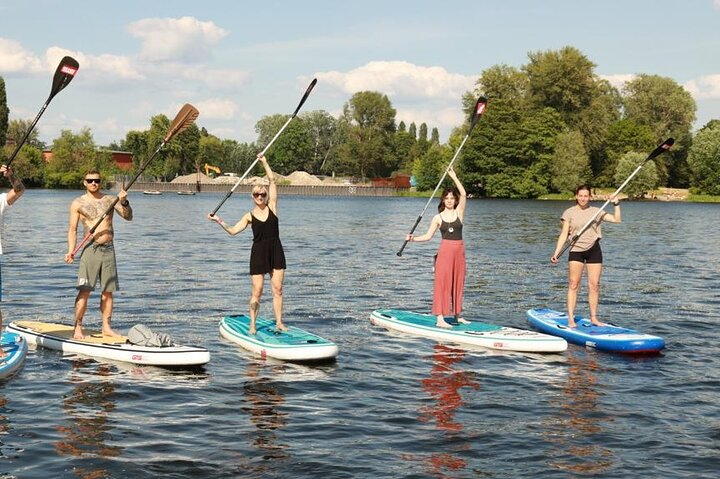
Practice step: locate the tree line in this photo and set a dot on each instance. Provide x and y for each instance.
(550, 125)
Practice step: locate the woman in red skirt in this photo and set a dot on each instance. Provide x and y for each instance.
(450, 262)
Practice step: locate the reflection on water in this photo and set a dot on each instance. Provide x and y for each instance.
(444, 385)
(575, 432)
(261, 401)
(87, 426)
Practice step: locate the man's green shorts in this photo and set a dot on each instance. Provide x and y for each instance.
(97, 262)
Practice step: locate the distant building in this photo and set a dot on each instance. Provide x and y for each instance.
(397, 180)
(122, 159)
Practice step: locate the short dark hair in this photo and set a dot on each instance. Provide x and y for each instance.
(92, 172)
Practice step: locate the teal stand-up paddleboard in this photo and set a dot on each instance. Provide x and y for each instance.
(294, 344)
(475, 333)
(15, 348)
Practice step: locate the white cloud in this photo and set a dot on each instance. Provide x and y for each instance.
(399, 78)
(619, 80)
(15, 59)
(717, 4)
(185, 39)
(217, 109)
(705, 87)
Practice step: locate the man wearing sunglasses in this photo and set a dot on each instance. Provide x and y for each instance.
(6, 201)
(97, 260)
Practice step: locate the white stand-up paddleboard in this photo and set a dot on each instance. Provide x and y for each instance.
(15, 348)
(475, 333)
(294, 344)
(59, 337)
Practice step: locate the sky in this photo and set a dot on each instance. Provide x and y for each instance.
(238, 61)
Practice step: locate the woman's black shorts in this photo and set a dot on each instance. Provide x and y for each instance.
(592, 255)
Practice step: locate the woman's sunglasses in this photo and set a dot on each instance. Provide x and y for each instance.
(259, 194)
(93, 180)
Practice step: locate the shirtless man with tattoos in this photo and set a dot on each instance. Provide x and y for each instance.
(6, 201)
(97, 260)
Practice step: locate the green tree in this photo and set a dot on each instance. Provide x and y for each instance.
(623, 136)
(502, 82)
(562, 80)
(645, 180)
(435, 136)
(29, 164)
(292, 150)
(4, 113)
(703, 159)
(669, 110)
(72, 155)
(412, 129)
(322, 129)
(17, 129)
(429, 167)
(570, 162)
(370, 120)
(211, 151)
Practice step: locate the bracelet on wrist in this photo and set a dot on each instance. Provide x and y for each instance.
(125, 203)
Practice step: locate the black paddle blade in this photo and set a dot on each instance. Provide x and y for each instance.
(662, 148)
(305, 96)
(185, 117)
(64, 73)
(480, 107)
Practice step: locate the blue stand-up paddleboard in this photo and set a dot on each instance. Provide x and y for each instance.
(476, 333)
(607, 338)
(15, 348)
(294, 344)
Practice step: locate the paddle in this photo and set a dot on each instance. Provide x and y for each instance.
(267, 147)
(64, 73)
(655, 153)
(185, 117)
(480, 106)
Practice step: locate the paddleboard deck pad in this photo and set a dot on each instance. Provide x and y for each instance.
(607, 338)
(475, 333)
(295, 344)
(15, 348)
(59, 337)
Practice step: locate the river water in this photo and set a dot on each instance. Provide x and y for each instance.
(391, 405)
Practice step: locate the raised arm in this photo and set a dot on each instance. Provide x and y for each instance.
(18, 188)
(272, 191)
(463, 194)
(616, 216)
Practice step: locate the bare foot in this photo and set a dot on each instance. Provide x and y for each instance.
(441, 323)
(595, 322)
(109, 332)
(2, 355)
(571, 323)
(78, 332)
(281, 326)
(253, 330)
(463, 321)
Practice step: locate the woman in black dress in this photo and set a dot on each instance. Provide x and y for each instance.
(266, 256)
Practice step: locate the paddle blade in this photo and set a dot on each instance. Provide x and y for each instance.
(666, 145)
(185, 117)
(305, 96)
(64, 73)
(480, 107)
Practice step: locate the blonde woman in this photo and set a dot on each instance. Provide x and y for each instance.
(267, 255)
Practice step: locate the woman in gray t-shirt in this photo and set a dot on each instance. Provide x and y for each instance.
(585, 252)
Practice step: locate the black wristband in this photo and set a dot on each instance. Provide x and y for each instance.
(125, 203)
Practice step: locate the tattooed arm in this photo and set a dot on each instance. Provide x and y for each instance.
(18, 188)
